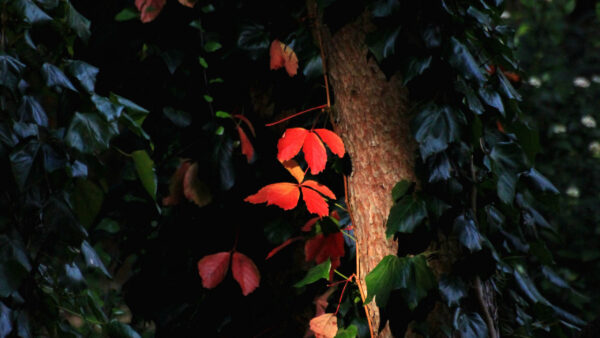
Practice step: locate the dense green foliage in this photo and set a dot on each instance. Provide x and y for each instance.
(87, 247)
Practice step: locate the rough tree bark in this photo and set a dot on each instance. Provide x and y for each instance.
(372, 119)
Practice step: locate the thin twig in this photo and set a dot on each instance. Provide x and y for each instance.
(294, 115)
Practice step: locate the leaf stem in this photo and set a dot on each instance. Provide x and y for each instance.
(340, 274)
(348, 235)
(122, 152)
(296, 114)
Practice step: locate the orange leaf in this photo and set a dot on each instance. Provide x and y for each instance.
(281, 246)
(290, 143)
(245, 273)
(188, 3)
(320, 188)
(247, 122)
(324, 326)
(149, 9)
(176, 185)
(314, 153)
(247, 148)
(194, 189)
(315, 203)
(294, 169)
(284, 195)
(213, 268)
(332, 140)
(322, 247)
(512, 76)
(283, 56)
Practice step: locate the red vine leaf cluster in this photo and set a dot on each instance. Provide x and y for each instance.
(311, 143)
(213, 269)
(283, 56)
(323, 247)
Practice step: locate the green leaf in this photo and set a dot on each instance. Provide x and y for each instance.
(390, 274)
(77, 169)
(435, 206)
(539, 181)
(526, 285)
(435, 128)
(416, 67)
(55, 77)
(452, 289)
(382, 42)
(349, 332)
(109, 110)
(461, 59)
(173, 59)
(135, 110)
(31, 111)
(120, 330)
(84, 72)
(32, 13)
(384, 8)
(420, 281)
(507, 88)
(317, 272)
(14, 265)
(468, 235)
(216, 80)
(492, 98)
(145, 170)
(135, 127)
(212, 46)
(89, 133)
(5, 319)
(470, 325)
(253, 39)
(507, 187)
(406, 215)
(202, 62)
(481, 17)
(401, 189)
(470, 96)
(79, 23)
(529, 139)
(208, 98)
(127, 14)
(313, 68)
(86, 199)
(10, 69)
(208, 9)
(21, 162)
(222, 161)
(508, 159)
(179, 118)
(109, 225)
(222, 114)
(92, 259)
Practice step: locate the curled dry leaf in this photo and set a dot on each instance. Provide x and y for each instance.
(245, 273)
(188, 3)
(213, 268)
(149, 9)
(194, 189)
(176, 185)
(283, 56)
(324, 326)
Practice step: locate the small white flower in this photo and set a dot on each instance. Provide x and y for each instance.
(559, 128)
(588, 121)
(594, 148)
(535, 81)
(596, 78)
(505, 15)
(581, 82)
(573, 191)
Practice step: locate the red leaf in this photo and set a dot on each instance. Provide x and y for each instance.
(314, 153)
(332, 140)
(149, 9)
(324, 326)
(290, 143)
(500, 127)
(309, 224)
(281, 246)
(284, 195)
(320, 188)
(245, 273)
(512, 76)
(248, 123)
(213, 268)
(490, 69)
(283, 56)
(293, 168)
(247, 148)
(322, 247)
(176, 185)
(315, 203)
(188, 3)
(194, 189)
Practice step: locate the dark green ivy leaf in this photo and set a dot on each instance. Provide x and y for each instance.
(14, 265)
(507, 88)
(10, 69)
(21, 162)
(349, 332)
(436, 127)
(32, 13)
(382, 42)
(509, 160)
(79, 23)
(401, 189)
(5, 320)
(127, 14)
(481, 17)
(107, 108)
(55, 77)
(92, 259)
(179, 118)
(472, 101)
(253, 39)
(144, 167)
(86, 199)
(383, 8)
(89, 133)
(117, 329)
(53, 160)
(452, 289)
(390, 274)
(416, 66)
(539, 181)
(420, 281)
(461, 59)
(468, 235)
(84, 72)
(406, 215)
(492, 98)
(173, 59)
(470, 325)
(31, 111)
(223, 161)
(317, 272)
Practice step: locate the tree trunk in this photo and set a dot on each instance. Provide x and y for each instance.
(372, 119)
